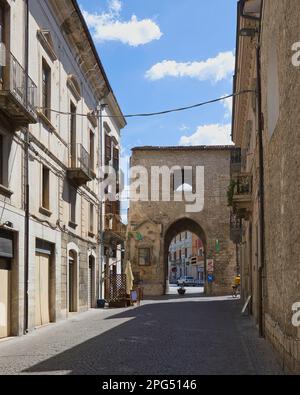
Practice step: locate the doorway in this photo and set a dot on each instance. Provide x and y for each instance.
(91, 283)
(185, 257)
(42, 289)
(73, 282)
(5, 297)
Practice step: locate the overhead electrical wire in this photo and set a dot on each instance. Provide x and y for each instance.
(151, 114)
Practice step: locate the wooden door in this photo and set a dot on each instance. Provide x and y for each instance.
(71, 286)
(5, 297)
(42, 266)
(91, 285)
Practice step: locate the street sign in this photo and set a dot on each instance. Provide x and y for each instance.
(210, 278)
(210, 266)
(194, 260)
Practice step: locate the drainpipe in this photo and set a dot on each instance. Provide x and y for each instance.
(26, 173)
(100, 217)
(261, 188)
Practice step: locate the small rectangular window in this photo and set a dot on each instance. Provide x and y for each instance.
(73, 151)
(45, 188)
(91, 218)
(73, 197)
(144, 256)
(108, 146)
(92, 150)
(46, 89)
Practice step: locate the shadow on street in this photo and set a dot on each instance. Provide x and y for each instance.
(191, 337)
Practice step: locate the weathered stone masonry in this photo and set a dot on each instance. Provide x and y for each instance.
(158, 222)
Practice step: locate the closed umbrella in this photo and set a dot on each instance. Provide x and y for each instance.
(129, 278)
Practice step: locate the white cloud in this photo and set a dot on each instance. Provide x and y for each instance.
(214, 69)
(108, 26)
(184, 128)
(115, 6)
(227, 103)
(215, 134)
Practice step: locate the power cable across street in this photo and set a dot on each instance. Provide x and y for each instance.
(151, 114)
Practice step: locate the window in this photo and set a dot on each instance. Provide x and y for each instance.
(73, 134)
(116, 207)
(1, 160)
(92, 150)
(46, 89)
(108, 145)
(45, 188)
(183, 179)
(144, 256)
(73, 198)
(2, 33)
(185, 252)
(91, 218)
(116, 159)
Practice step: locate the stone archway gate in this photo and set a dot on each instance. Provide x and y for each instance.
(154, 222)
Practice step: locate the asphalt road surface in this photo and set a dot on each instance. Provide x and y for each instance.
(170, 335)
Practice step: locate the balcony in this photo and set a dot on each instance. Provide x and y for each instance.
(18, 95)
(114, 228)
(79, 169)
(242, 195)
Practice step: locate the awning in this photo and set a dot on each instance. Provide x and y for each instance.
(129, 277)
(6, 244)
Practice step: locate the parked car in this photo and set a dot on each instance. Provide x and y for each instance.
(186, 281)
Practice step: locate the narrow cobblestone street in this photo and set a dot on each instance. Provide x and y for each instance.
(170, 335)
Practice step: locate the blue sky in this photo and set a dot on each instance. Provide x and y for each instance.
(132, 36)
(164, 54)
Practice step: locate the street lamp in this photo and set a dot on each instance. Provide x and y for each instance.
(248, 32)
(251, 9)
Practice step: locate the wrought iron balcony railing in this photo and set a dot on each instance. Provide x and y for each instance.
(26, 95)
(242, 195)
(18, 94)
(79, 170)
(243, 185)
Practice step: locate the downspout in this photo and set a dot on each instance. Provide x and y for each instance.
(100, 217)
(261, 184)
(26, 174)
(100, 223)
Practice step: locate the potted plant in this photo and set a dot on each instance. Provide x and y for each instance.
(230, 192)
(181, 290)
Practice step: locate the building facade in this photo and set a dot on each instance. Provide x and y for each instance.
(158, 214)
(53, 89)
(186, 258)
(266, 191)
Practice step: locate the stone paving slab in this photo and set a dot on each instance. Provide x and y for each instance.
(171, 335)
